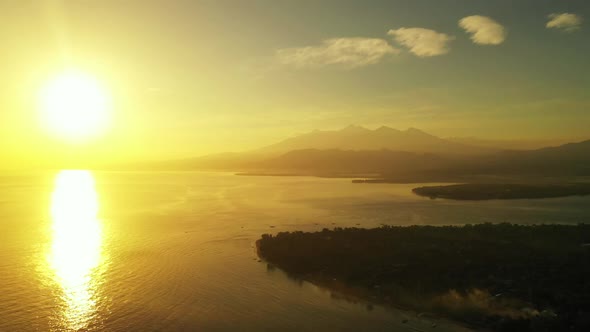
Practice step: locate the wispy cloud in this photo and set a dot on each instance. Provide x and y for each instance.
(565, 21)
(422, 42)
(483, 30)
(346, 52)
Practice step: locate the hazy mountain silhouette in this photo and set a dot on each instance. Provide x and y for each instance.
(567, 159)
(571, 159)
(335, 161)
(392, 154)
(349, 139)
(510, 144)
(360, 138)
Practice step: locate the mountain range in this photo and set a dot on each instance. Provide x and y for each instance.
(391, 153)
(358, 138)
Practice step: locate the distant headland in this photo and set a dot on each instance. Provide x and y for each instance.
(488, 191)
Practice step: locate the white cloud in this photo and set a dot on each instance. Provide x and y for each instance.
(422, 42)
(483, 30)
(565, 21)
(347, 52)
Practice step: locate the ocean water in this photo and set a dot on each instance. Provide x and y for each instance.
(132, 251)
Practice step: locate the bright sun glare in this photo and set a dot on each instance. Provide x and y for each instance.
(74, 106)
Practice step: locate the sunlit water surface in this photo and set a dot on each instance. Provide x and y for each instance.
(95, 251)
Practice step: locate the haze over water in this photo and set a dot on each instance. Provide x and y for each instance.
(151, 251)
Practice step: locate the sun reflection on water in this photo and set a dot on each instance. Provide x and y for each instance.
(76, 248)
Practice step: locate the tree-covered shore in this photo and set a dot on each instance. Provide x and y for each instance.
(486, 191)
(499, 276)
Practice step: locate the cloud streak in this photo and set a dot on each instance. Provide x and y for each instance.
(566, 22)
(483, 30)
(422, 42)
(347, 52)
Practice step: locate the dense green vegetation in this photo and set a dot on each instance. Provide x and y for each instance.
(500, 276)
(475, 191)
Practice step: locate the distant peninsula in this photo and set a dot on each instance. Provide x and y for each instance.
(502, 277)
(488, 191)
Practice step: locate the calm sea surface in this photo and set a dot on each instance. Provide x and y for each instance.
(109, 251)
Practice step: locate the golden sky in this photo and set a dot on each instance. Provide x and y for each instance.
(187, 78)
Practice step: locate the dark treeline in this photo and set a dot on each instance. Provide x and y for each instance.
(475, 191)
(500, 276)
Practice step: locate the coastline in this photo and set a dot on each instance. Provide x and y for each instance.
(339, 290)
(489, 280)
(503, 191)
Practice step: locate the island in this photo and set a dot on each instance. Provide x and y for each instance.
(500, 277)
(487, 191)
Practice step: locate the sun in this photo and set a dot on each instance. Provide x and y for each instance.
(74, 106)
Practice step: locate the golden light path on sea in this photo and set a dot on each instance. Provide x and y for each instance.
(75, 253)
